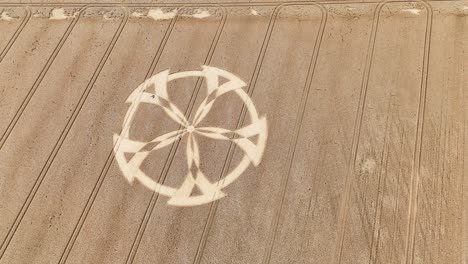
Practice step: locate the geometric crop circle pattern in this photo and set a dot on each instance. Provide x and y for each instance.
(251, 138)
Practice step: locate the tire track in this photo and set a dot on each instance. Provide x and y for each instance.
(39, 79)
(349, 179)
(174, 146)
(379, 198)
(63, 135)
(15, 35)
(297, 129)
(413, 205)
(343, 212)
(71, 242)
(214, 205)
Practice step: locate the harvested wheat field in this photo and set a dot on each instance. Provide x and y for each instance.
(234, 132)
